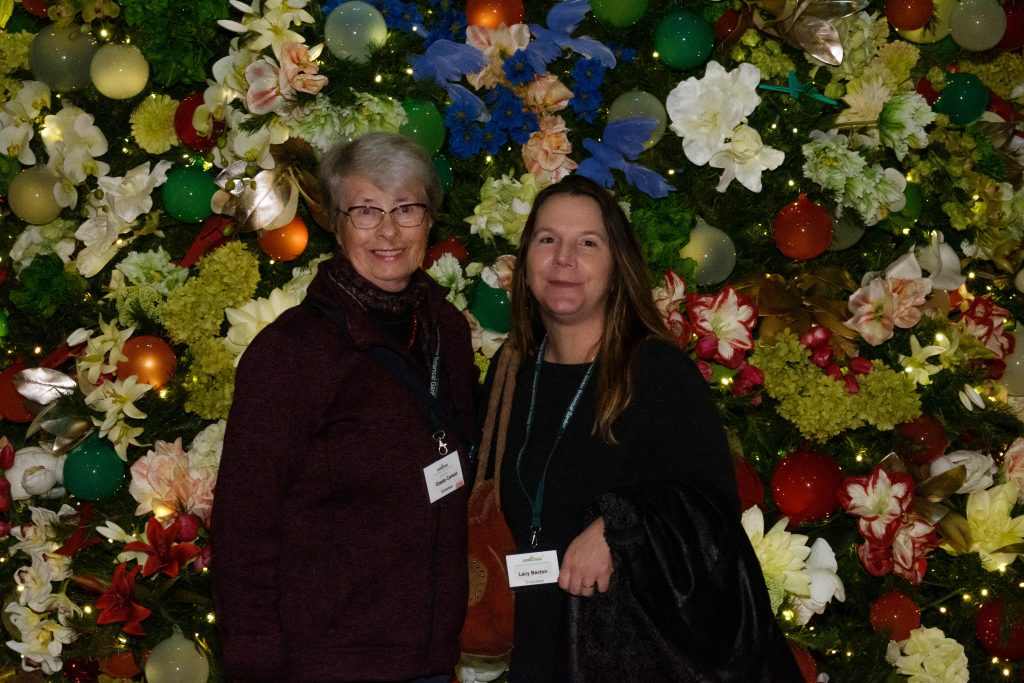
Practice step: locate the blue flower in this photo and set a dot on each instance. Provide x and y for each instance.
(459, 114)
(505, 106)
(525, 125)
(623, 54)
(587, 75)
(518, 68)
(466, 141)
(446, 24)
(494, 137)
(585, 105)
(401, 16)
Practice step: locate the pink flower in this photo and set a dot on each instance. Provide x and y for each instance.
(876, 558)
(496, 44)
(724, 325)
(879, 499)
(546, 94)
(860, 365)
(705, 369)
(504, 266)
(667, 299)
(747, 380)
(158, 478)
(264, 95)
(871, 306)
(907, 295)
(299, 72)
(913, 541)
(1013, 462)
(546, 152)
(852, 385)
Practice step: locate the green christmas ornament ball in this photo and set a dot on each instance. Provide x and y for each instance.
(443, 166)
(187, 194)
(683, 39)
(425, 124)
(92, 470)
(491, 308)
(964, 99)
(619, 13)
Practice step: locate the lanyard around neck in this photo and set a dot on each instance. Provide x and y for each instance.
(537, 500)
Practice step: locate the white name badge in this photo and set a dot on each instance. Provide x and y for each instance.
(444, 476)
(531, 569)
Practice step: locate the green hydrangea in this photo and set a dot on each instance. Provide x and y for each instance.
(886, 397)
(211, 379)
(14, 53)
(902, 121)
(1002, 74)
(447, 272)
(226, 277)
(504, 205)
(153, 269)
(771, 60)
(138, 305)
(830, 162)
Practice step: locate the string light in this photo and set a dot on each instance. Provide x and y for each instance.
(211, 618)
(87, 609)
(378, 78)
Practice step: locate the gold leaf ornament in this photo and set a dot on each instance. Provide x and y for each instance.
(807, 24)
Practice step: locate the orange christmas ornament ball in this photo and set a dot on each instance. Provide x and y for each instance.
(285, 243)
(120, 665)
(151, 359)
(492, 13)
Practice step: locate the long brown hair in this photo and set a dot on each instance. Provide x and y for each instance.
(630, 314)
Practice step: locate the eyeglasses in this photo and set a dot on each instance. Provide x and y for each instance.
(369, 217)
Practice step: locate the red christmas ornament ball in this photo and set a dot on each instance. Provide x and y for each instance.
(726, 24)
(1013, 37)
(804, 660)
(285, 243)
(924, 440)
(805, 485)
(989, 629)
(925, 89)
(447, 246)
(491, 13)
(802, 230)
(909, 15)
(120, 665)
(37, 7)
(187, 132)
(12, 407)
(151, 359)
(895, 615)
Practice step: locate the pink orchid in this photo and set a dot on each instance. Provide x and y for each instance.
(546, 153)
(914, 539)
(871, 306)
(264, 95)
(546, 95)
(667, 299)
(496, 44)
(271, 87)
(879, 499)
(724, 325)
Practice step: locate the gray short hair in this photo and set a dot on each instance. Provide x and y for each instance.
(389, 160)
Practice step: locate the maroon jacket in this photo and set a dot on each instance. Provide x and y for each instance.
(330, 563)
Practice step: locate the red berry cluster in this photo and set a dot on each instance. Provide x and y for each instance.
(818, 340)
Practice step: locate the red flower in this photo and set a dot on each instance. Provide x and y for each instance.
(6, 454)
(118, 602)
(5, 494)
(985, 320)
(164, 555)
(667, 298)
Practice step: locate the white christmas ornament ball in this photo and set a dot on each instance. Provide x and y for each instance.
(1018, 281)
(1013, 376)
(31, 195)
(714, 252)
(119, 71)
(352, 27)
(177, 660)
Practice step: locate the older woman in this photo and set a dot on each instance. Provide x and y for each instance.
(616, 469)
(340, 514)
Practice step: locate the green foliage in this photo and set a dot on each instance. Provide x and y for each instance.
(178, 39)
(47, 287)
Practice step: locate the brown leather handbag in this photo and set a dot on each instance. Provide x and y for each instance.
(488, 628)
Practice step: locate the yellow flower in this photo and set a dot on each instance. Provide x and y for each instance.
(992, 526)
(781, 555)
(153, 124)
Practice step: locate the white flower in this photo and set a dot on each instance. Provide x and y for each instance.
(15, 136)
(941, 262)
(41, 646)
(73, 142)
(34, 585)
(205, 451)
(115, 534)
(247, 321)
(917, 365)
(705, 111)
(902, 121)
(447, 272)
(781, 555)
(979, 468)
(928, 656)
(116, 399)
(865, 99)
(102, 352)
(55, 237)
(825, 583)
(30, 101)
(132, 195)
(830, 162)
(62, 605)
(744, 158)
(36, 472)
(970, 398)
(485, 342)
(38, 537)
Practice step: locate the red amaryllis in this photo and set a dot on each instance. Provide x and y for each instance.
(165, 555)
(879, 499)
(913, 541)
(667, 299)
(118, 602)
(985, 320)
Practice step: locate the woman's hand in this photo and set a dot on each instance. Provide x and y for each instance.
(587, 564)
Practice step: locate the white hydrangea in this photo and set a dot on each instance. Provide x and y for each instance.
(928, 656)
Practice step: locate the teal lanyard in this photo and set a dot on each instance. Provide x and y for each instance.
(537, 500)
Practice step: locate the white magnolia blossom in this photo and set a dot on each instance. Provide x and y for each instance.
(36, 472)
(247, 321)
(744, 158)
(56, 237)
(980, 469)
(941, 262)
(705, 111)
(73, 143)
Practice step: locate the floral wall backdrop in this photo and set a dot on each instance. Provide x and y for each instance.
(828, 192)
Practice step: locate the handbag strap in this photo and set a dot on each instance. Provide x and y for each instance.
(499, 408)
(398, 367)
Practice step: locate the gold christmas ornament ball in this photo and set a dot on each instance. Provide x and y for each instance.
(31, 195)
(119, 71)
(151, 359)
